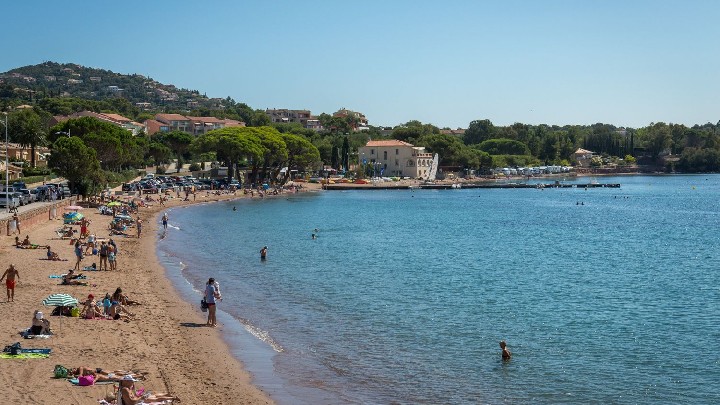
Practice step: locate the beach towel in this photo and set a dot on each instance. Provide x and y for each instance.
(24, 356)
(9, 349)
(62, 275)
(27, 335)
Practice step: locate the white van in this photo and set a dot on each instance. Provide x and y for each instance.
(8, 199)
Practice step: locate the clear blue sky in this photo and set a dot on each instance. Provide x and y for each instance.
(627, 63)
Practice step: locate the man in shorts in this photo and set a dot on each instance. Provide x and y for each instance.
(11, 274)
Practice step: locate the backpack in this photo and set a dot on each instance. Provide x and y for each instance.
(61, 371)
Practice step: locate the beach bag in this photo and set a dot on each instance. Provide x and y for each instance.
(13, 349)
(60, 371)
(203, 305)
(75, 312)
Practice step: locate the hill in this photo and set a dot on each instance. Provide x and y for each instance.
(51, 79)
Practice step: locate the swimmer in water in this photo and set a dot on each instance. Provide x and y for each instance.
(505, 352)
(234, 208)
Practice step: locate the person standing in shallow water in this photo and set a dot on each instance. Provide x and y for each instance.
(263, 253)
(505, 352)
(211, 294)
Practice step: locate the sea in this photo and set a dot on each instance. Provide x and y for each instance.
(603, 295)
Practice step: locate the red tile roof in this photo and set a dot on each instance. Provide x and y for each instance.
(389, 142)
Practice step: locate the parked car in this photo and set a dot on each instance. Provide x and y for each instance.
(29, 198)
(8, 199)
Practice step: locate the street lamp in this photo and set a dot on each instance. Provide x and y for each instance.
(7, 166)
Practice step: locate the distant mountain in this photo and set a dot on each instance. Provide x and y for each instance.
(52, 79)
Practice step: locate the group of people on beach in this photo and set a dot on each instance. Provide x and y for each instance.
(113, 307)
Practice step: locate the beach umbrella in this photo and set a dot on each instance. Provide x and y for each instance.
(60, 300)
(73, 208)
(113, 203)
(72, 217)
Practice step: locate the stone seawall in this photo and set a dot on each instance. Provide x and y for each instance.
(41, 214)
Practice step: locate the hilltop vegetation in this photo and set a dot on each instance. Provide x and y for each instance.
(61, 89)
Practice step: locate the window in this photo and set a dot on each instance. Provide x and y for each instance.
(384, 155)
(397, 151)
(397, 162)
(410, 163)
(372, 151)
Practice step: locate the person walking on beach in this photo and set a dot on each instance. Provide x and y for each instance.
(12, 274)
(211, 293)
(505, 352)
(165, 220)
(78, 254)
(139, 227)
(263, 253)
(17, 223)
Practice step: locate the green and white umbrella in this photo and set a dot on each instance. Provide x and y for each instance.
(60, 300)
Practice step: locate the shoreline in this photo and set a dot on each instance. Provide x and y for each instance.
(167, 337)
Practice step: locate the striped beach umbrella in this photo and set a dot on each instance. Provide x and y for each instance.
(60, 300)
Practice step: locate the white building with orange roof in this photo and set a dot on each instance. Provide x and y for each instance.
(176, 122)
(396, 158)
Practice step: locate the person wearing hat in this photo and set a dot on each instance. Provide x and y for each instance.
(40, 325)
(127, 395)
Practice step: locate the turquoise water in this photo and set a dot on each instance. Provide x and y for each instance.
(405, 295)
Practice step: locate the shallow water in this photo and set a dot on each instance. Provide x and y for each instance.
(405, 295)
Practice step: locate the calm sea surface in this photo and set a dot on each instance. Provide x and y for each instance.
(603, 295)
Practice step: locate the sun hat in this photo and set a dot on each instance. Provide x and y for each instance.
(39, 315)
(128, 378)
(91, 296)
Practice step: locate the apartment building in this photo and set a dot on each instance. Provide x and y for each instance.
(302, 117)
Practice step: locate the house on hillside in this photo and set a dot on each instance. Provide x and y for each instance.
(396, 158)
(359, 122)
(583, 157)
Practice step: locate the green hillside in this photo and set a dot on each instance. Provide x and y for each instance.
(51, 80)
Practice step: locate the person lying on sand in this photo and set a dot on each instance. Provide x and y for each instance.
(87, 377)
(71, 279)
(128, 397)
(118, 374)
(25, 244)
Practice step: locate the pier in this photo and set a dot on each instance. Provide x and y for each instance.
(444, 186)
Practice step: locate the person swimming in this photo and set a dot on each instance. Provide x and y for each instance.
(506, 355)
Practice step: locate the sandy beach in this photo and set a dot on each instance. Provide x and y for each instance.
(167, 337)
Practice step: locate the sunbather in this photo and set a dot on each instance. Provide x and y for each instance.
(25, 244)
(127, 395)
(71, 278)
(91, 309)
(115, 375)
(40, 325)
(122, 298)
(52, 255)
(118, 312)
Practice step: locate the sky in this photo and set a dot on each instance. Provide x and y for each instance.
(627, 63)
